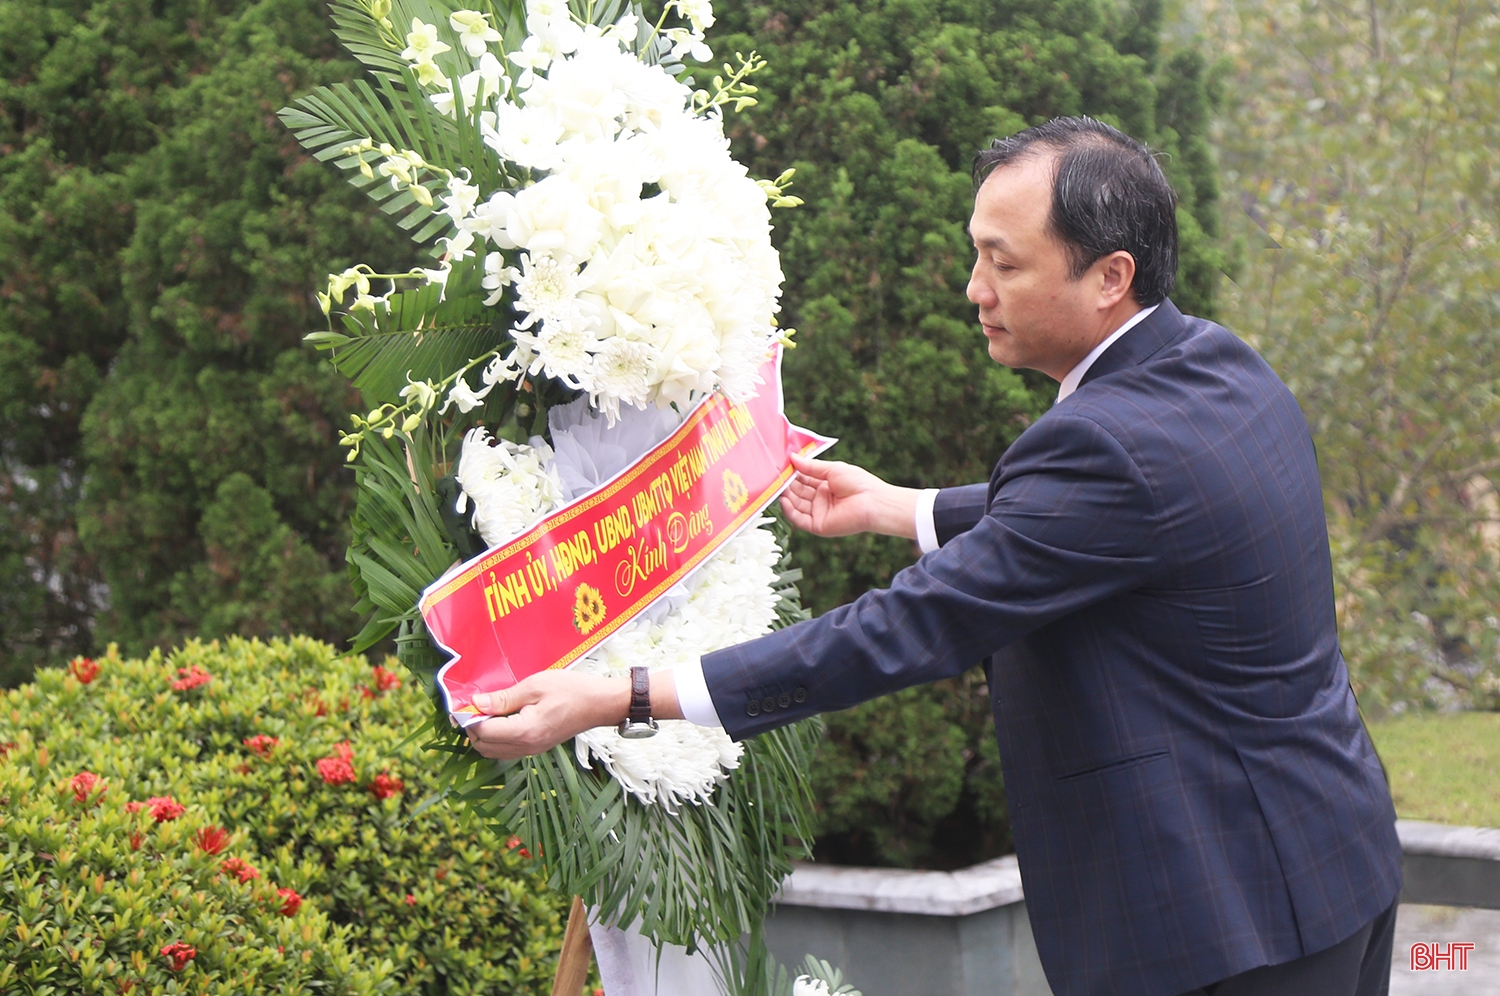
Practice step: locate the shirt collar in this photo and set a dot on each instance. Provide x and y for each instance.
(1070, 382)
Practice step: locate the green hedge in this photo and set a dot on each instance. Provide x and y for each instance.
(298, 755)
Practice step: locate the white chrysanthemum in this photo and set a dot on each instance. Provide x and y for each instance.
(622, 371)
(508, 483)
(565, 349)
(546, 290)
(729, 600)
(806, 985)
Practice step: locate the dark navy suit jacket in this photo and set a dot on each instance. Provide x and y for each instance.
(1192, 791)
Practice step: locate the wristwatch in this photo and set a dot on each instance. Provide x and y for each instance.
(639, 725)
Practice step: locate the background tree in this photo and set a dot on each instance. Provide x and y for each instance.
(880, 106)
(1360, 154)
(169, 448)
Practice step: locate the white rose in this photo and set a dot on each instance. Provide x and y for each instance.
(554, 216)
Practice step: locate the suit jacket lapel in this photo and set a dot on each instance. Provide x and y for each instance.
(1159, 328)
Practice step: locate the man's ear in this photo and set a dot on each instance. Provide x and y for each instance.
(1117, 273)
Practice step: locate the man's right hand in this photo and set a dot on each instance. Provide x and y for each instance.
(829, 498)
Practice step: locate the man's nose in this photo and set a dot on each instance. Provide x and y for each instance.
(978, 292)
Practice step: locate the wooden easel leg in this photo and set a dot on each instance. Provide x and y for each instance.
(577, 953)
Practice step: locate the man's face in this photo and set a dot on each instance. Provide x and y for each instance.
(1033, 314)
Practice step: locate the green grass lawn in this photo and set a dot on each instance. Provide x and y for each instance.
(1443, 767)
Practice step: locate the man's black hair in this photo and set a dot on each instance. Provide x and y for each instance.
(1108, 194)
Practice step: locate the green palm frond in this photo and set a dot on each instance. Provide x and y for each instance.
(425, 334)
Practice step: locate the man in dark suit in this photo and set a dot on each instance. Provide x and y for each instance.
(1196, 804)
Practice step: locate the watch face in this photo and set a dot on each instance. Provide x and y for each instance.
(637, 731)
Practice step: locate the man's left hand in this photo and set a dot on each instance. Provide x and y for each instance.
(546, 709)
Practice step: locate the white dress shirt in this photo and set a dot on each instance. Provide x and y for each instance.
(692, 690)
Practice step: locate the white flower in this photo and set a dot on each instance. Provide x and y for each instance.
(497, 277)
(699, 12)
(564, 349)
(480, 85)
(491, 219)
(458, 245)
(580, 96)
(421, 45)
(688, 44)
(465, 398)
(554, 216)
(460, 199)
(422, 42)
(625, 30)
(508, 484)
(806, 985)
(526, 136)
(424, 393)
(474, 31)
(622, 369)
(547, 289)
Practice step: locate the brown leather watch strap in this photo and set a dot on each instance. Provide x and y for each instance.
(640, 695)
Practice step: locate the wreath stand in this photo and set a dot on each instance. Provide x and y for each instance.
(577, 953)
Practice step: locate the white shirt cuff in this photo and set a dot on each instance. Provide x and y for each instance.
(692, 695)
(927, 540)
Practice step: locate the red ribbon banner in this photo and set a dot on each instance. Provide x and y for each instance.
(550, 595)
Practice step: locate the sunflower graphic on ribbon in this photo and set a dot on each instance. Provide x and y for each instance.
(735, 492)
(588, 608)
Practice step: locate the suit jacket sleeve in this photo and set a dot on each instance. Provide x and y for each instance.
(1070, 525)
(957, 510)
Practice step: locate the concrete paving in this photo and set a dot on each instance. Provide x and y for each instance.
(1446, 924)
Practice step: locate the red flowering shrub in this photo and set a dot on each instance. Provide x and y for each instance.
(179, 954)
(84, 669)
(212, 840)
(162, 808)
(84, 783)
(240, 869)
(338, 768)
(261, 744)
(243, 760)
(190, 677)
(386, 681)
(384, 786)
(290, 901)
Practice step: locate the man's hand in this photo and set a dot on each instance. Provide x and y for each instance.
(828, 498)
(545, 709)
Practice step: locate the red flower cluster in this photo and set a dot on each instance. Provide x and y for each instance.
(411, 900)
(84, 669)
(240, 869)
(514, 843)
(212, 840)
(290, 901)
(190, 677)
(261, 744)
(84, 783)
(179, 954)
(384, 786)
(339, 768)
(385, 680)
(162, 808)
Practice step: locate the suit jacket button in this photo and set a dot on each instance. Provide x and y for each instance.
(799, 696)
(784, 699)
(753, 709)
(767, 704)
